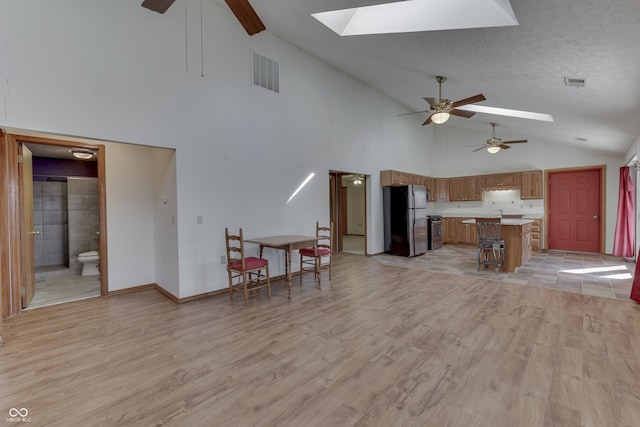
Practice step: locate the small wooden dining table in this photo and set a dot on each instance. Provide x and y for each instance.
(286, 243)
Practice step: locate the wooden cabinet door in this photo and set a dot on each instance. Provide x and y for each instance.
(473, 188)
(511, 180)
(461, 231)
(491, 180)
(531, 187)
(472, 234)
(442, 189)
(456, 189)
(449, 230)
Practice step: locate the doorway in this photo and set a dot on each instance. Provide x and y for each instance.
(348, 193)
(575, 209)
(59, 212)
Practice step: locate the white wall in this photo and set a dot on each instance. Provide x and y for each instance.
(130, 185)
(116, 71)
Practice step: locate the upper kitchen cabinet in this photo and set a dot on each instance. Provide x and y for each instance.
(392, 177)
(441, 190)
(501, 181)
(465, 189)
(531, 187)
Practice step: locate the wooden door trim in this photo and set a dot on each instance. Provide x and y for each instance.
(10, 190)
(602, 169)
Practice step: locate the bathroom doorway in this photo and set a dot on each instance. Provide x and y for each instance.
(63, 211)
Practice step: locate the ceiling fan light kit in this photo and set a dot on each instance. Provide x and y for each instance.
(440, 117)
(494, 145)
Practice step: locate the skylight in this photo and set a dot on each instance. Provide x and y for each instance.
(507, 112)
(419, 15)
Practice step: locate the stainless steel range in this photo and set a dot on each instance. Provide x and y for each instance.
(435, 232)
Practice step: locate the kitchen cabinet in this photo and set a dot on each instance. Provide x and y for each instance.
(505, 181)
(442, 190)
(525, 237)
(531, 186)
(393, 177)
(467, 188)
(450, 232)
(536, 235)
(455, 231)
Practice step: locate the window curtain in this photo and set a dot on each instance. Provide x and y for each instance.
(623, 239)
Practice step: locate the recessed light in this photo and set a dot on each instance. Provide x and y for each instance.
(82, 154)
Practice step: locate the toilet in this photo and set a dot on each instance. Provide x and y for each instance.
(89, 262)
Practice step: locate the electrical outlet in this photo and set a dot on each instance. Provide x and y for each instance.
(223, 259)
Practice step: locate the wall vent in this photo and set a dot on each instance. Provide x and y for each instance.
(570, 81)
(266, 73)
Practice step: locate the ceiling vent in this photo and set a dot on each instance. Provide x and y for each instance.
(266, 73)
(570, 81)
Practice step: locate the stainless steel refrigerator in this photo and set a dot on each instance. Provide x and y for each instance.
(406, 230)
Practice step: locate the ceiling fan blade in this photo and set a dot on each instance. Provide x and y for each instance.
(159, 6)
(519, 141)
(471, 100)
(247, 16)
(504, 147)
(478, 149)
(432, 102)
(413, 112)
(426, 122)
(462, 113)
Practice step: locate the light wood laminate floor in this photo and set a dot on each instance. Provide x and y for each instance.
(379, 345)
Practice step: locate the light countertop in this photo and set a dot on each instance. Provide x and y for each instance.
(505, 221)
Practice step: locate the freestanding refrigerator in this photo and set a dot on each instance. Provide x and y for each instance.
(406, 231)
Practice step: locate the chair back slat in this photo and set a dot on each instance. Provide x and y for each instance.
(235, 248)
(488, 229)
(324, 236)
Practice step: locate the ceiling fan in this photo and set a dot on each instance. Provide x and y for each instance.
(442, 108)
(493, 145)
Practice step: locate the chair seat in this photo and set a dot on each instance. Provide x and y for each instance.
(250, 263)
(310, 252)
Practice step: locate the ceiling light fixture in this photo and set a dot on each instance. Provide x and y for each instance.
(440, 117)
(82, 154)
(493, 150)
(357, 180)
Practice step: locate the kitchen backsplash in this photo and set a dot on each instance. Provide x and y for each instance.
(495, 202)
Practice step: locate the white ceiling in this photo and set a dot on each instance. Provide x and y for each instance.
(519, 67)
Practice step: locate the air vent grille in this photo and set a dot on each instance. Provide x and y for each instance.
(571, 81)
(266, 73)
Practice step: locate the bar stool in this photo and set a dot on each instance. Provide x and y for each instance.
(491, 248)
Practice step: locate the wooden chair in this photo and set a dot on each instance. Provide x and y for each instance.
(244, 268)
(491, 248)
(319, 256)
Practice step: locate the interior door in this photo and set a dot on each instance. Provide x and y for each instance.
(27, 231)
(575, 210)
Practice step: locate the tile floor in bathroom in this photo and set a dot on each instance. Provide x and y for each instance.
(57, 284)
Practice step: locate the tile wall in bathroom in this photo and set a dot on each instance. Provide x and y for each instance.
(50, 218)
(84, 219)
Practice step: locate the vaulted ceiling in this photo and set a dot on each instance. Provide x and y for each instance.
(517, 67)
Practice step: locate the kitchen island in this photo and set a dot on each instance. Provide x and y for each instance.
(516, 233)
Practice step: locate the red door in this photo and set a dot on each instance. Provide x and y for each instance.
(574, 210)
